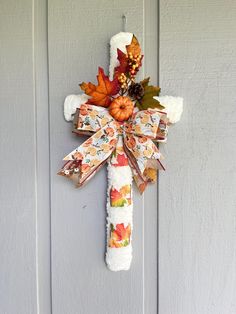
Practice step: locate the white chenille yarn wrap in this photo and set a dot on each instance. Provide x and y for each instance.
(119, 258)
(118, 41)
(118, 177)
(121, 177)
(71, 103)
(173, 107)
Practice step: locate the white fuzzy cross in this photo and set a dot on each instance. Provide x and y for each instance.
(120, 258)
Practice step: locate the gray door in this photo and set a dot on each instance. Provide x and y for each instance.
(53, 243)
(52, 239)
(197, 199)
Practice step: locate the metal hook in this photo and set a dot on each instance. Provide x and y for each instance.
(124, 22)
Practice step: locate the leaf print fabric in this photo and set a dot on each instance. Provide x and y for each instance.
(119, 235)
(120, 197)
(119, 157)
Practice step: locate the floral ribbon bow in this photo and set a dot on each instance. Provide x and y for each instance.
(137, 134)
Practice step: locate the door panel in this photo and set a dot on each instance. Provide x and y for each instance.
(18, 290)
(78, 37)
(197, 194)
(53, 235)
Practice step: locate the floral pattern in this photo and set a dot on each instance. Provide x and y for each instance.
(119, 235)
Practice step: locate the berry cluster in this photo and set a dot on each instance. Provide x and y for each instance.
(123, 81)
(134, 63)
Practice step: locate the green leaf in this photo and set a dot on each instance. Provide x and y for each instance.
(147, 100)
(145, 82)
(126, 242)
(119, 203)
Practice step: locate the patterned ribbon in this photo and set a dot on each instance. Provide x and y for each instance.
(138, 135)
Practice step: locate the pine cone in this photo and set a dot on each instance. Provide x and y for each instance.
(136, 91)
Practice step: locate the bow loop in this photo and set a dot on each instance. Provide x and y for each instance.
(147, 123)
(89, 119)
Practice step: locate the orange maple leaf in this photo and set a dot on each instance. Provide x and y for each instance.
(101, 94)
(134, 47)
(121, 232)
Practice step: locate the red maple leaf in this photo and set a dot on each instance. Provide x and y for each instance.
(115, 195)
(122, 160)
(123, 66)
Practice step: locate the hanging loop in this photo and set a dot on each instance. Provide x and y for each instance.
(124, 22)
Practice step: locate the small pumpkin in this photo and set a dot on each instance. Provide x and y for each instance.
(121, 108)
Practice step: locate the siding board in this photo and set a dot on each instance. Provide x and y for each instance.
(197, 199)
(18, 288)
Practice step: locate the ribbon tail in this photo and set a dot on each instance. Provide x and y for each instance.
(88, 176)
(162, 131)
(141, 179)
(90, 156)
(71, 170)
(144, 158)
(140, 182)
(133, 162)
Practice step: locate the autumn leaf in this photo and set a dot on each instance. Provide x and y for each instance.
(122, 160)
(134, 47)
(121, 232)
(147, 101)
(150, 174)
(123, 66)
(145, 82)
(101, 94)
